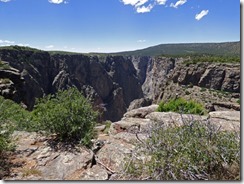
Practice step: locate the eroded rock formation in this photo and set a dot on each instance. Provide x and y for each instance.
(115, 83)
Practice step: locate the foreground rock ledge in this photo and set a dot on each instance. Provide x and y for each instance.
(37, 159)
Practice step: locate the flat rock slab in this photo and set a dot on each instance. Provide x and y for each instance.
(227, 115)
(37, 159)
(226, 120)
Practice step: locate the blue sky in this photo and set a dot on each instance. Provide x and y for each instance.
(116, 25)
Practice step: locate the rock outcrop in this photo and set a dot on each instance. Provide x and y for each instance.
(115, 83)
(40, 158)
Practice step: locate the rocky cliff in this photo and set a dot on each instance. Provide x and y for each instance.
(113, 82)
(209, 83)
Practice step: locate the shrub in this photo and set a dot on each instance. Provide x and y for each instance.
(11, 114)
(67, 114)
(180, 105)
(194, 151)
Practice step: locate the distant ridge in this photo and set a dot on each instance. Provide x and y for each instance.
(224, 48)
(177, 49)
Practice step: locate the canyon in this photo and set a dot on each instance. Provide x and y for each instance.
(126, 90)
(115, 84)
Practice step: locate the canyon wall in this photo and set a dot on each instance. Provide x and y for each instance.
(111, 83)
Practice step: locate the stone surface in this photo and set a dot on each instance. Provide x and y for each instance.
(100, 128)
(128, 125)
(226, 120)
(94, 173)
(137, 103)
(38, 158)
(112, 154)
(173, 118)
(228, 115)
(141, 112)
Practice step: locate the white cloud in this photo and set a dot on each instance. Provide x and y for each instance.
(135, 3)
(131, 2)
(49, 46)
(5, 1)
(200, 15)
(57, 1)
(139, 5)
(141, 2)
(23, 45)
(144, 9)
(141, 41)
(6, 42)
(178, 3)
(162, 2)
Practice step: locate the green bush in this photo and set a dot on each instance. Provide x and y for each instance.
(12, 116)
(180, 105)
(238, 101)
(194, 151)
(67, 114)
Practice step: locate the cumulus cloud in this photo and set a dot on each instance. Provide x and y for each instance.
(49, 46)
(130, 2)
(6, 42)
(139, 5)
(144, 6)
(135, 3)
(178, 3)
(5, 1)
(144, 9)
(57, 1)
(162, 2)
(200, 15)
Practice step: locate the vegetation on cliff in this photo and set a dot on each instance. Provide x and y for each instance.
(183, 106)
(68, 114)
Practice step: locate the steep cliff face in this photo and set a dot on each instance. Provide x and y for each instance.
(209, 83)
(224, 77)
(110, 84)
(113, 82)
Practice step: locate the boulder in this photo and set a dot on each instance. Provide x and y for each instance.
(137, 103)
(112, 155)
(226, 120)
(128, 125)
(141, 112)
